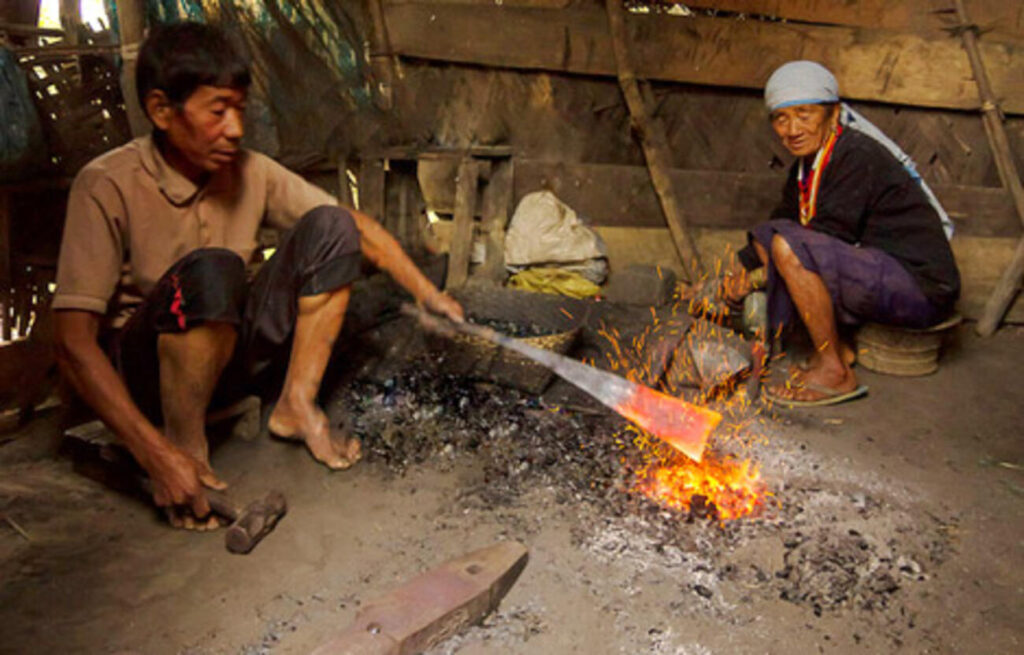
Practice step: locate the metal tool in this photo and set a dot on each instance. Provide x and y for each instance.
(682, 425)
(433, 606)
(249, 524)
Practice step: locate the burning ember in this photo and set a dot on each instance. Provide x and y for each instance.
(718, 487)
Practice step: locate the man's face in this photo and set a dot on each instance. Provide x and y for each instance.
(206, 131)
(803, 128)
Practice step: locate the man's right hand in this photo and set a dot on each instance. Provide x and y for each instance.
(178, 483)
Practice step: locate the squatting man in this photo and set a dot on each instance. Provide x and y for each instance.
(157, 321)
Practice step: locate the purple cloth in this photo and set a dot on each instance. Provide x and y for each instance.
(865, 284)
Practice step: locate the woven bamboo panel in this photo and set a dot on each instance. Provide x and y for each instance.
(80, 106)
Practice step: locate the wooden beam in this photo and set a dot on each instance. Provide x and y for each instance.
(1003, 16)
(621, 196)
(651, 133)
(18, 29)
(871, 64)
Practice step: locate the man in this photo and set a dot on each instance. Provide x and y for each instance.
(858, 236)
(156, 243)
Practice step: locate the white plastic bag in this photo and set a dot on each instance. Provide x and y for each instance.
(544, 231)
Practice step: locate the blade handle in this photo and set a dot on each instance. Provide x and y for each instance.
(446, 327)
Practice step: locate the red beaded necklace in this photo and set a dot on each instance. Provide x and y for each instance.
(809, 187)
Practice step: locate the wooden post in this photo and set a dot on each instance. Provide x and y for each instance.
(382, 61)
(494, 218)
(1007, 287)
(462, 230)
(131, 19)
(652, 139)
(6, 296)
(70, 19)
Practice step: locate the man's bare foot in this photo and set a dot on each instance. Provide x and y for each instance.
(309, 424)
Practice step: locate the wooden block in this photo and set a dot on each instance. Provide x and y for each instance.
(434, 606)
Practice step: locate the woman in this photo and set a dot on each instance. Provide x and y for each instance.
(857, 237)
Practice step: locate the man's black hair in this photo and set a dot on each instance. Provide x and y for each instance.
(180, 57)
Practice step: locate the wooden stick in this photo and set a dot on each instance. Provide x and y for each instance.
(652, 139)
(1007, 287)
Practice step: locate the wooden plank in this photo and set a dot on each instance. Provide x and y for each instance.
(621, 195)
(1003, 16)
(462, 236)
(878, 65)
(371, 188)
(982, 262)
(981, 259)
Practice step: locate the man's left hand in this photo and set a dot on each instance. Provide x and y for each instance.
(443, 304)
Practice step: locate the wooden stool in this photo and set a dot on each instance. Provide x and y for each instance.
(902, 351)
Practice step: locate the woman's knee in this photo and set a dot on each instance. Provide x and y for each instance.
(782, 254)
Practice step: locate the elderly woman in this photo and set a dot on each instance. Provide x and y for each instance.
(857, 237)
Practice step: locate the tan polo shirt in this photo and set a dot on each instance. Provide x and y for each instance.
(131, 216)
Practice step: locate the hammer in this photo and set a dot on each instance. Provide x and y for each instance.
(248, 525)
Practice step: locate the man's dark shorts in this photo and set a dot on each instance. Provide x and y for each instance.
(320, 254)
(865, 284)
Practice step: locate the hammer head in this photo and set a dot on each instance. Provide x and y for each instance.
(254, 522)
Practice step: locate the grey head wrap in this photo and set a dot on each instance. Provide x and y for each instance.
(808, 82)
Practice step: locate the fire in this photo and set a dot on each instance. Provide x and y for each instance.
(731, 486)
(720, 486)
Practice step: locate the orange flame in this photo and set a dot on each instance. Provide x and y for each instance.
(734, 487)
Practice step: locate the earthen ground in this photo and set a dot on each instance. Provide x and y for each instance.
(898, 527)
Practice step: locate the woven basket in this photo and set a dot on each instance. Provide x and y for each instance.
(473, 357)
(901, 351)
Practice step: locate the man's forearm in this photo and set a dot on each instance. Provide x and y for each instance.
(384, 251)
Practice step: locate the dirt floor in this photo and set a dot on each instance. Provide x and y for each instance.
(895, 526)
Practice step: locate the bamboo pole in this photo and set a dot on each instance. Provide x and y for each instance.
(131, 18)
(1007, 287)
(382, 61)
(652, 140)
